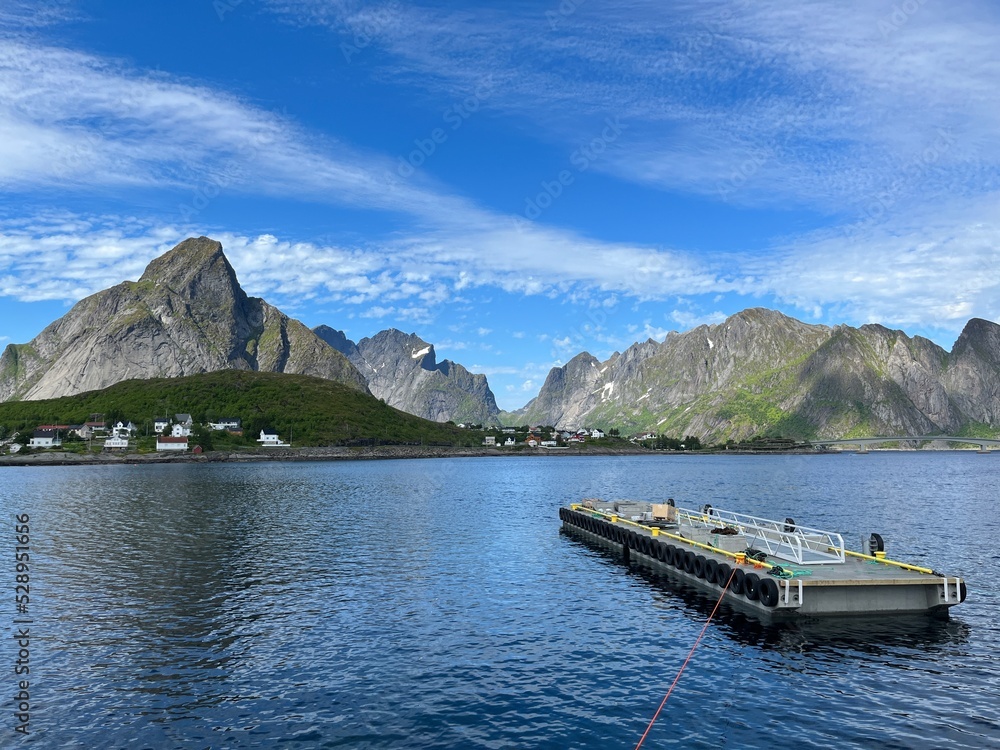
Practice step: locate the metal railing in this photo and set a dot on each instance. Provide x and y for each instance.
(788, 541)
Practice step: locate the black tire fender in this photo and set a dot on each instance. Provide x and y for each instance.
(699, 566)
(688, 561)
(739, 579)
(751, 587)
(722, 574)
(711, 569)
(768, 592)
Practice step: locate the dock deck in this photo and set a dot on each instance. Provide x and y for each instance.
(777, 569)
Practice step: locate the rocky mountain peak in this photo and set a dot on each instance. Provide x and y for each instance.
(197, 267)
(186, 315)
(406, 343)
(402, 369)
(979, 335)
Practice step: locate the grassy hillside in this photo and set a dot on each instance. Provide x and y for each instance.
(313, 410)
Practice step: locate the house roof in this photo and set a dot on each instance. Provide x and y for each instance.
(182, 417)
(162, 439)
(41, 433)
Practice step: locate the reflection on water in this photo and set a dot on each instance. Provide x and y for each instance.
(434, 604)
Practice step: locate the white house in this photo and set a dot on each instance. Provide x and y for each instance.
(184, 422)
(270, 439)
(508, 442)
(509, 430)
(116, 442)
(174, 443)
(489, 440)
(549, 443)
(45, 439)
(119, 427)
(595, 433)
(226, 423)
(160, 424)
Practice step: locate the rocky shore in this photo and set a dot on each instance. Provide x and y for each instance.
(57, 458)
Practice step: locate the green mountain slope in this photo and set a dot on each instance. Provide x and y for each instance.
(315, 411)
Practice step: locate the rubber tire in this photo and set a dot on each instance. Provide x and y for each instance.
(670, 555)
(768, 592)
(688, 561)
(722, 574)
(963, 592)
(633, 540)
(699, 566)
(751, 587)
(739, 578)
(711, 568)
(661, 552)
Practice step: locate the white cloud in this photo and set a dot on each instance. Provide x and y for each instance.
(750, 103)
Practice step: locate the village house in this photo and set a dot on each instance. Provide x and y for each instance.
(118, 441)
(270, 439)
(489, 440)
(509, 442)
(230, 424)
(185, 422)
(160, 424)
(532, 440)
(92, 429)
(171, 443)
(119, 427)
(45, 439)
(596, 434)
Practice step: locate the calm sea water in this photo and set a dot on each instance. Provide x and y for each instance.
(435, 604)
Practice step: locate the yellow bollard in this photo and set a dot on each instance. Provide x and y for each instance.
(614, 519)
(656, 531)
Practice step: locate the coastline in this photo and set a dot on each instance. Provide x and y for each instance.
(300, 454)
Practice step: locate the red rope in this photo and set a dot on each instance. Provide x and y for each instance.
(684, 665)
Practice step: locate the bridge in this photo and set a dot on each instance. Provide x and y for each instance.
(984, 443)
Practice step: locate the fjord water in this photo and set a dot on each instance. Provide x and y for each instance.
(435, 604)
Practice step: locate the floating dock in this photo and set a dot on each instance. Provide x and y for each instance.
(777, 569)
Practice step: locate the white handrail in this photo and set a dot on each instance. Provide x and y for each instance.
(799, 544)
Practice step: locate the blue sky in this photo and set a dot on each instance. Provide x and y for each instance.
(515, 182)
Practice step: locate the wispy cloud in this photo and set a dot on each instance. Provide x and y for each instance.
(750, 103)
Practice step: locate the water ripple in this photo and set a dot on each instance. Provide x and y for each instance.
(435, 604)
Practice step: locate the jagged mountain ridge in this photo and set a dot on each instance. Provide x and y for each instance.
(187, 314)
(760, 371)
(403, 370)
